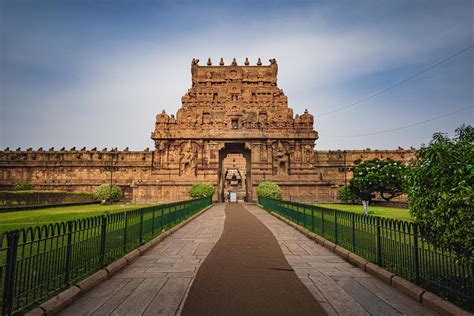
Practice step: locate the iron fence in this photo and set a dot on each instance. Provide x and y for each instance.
(398, 246)
(38, 262)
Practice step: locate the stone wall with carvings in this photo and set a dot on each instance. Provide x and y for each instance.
(229, 109)
(83, 170)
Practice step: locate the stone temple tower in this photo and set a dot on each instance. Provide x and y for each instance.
(235, 109)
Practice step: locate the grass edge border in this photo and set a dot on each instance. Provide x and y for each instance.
(60, 301)
(431, 300)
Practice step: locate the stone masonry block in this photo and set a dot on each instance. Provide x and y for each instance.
(145, 247)
(320, 240)
(407, 287)
(378, 272)
(57, 303)
(132, 256)
(343, 253)
(329, 245)
(36, 312)
(115, 266)
(444, 307)
(87, 284)
(357, 260)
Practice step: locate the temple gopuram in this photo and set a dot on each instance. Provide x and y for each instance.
(234, 129)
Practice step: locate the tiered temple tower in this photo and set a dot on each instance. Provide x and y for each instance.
(235, 109)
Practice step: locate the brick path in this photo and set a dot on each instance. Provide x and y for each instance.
(157, 282)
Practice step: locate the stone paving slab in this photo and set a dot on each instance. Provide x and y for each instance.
(157, 282)
(339, 287)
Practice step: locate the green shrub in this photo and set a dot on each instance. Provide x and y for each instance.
(23, 186)
(346, 194)
(107, 192)
(200, 190)
(269, 190)
(440, 191)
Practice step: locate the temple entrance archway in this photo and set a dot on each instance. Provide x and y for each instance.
(235, 171)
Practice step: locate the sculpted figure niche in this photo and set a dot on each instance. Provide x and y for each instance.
(280, 159)
(187, 157)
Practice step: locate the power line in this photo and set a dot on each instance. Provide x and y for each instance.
(399, 83)
(403, 127)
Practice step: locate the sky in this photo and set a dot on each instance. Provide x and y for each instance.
(96, 73)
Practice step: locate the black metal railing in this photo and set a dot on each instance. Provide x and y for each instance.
(38, 262)
(398, 246)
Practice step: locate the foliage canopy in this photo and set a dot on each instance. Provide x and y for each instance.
(269, 189)
(200, 190)
(440, 193)
(107, 192)
(383, 176)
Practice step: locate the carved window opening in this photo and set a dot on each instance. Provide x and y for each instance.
(235, 124)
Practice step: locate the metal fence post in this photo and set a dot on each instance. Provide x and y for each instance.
(103, 236)
(9, 286)
(335, 228)
(379, 244)
(161, 220)
(153, 224)
(416, 259)
(67, 272)
(353, 232)
(125, 233)
(141, 227)
(322, 222)
(312, 220)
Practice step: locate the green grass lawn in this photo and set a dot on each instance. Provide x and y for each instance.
(21, 219)
(375, 210)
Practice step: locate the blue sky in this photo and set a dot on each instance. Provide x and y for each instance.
(95, 73)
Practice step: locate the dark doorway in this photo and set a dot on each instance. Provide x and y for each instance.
(235, 172)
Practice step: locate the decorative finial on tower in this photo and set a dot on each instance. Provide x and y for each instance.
(259, 62)
(234, 62)
(246, 63)
(221, 63)
(209, 62)
(306, 111)
(163, 112)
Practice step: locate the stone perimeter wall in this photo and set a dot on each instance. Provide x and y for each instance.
(135, 172)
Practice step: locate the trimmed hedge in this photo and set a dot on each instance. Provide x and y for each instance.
(108, 192)
(32, 197)
(269, 190)
(200, 190)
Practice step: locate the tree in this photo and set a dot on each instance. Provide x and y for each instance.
(107, 192)
(269, 190)
(200, 190)
(378, 176)
(440, 193)
(346, 194)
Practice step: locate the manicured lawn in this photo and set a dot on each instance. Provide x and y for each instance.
(15, 220)
(375, 210)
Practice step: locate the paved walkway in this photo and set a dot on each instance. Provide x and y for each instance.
(158, 282)
(339, 287)
(246, 273)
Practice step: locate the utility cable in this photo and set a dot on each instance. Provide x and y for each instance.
(442, 61)
(402, 127)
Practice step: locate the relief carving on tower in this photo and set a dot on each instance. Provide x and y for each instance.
(187, 159)
(280, 159)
